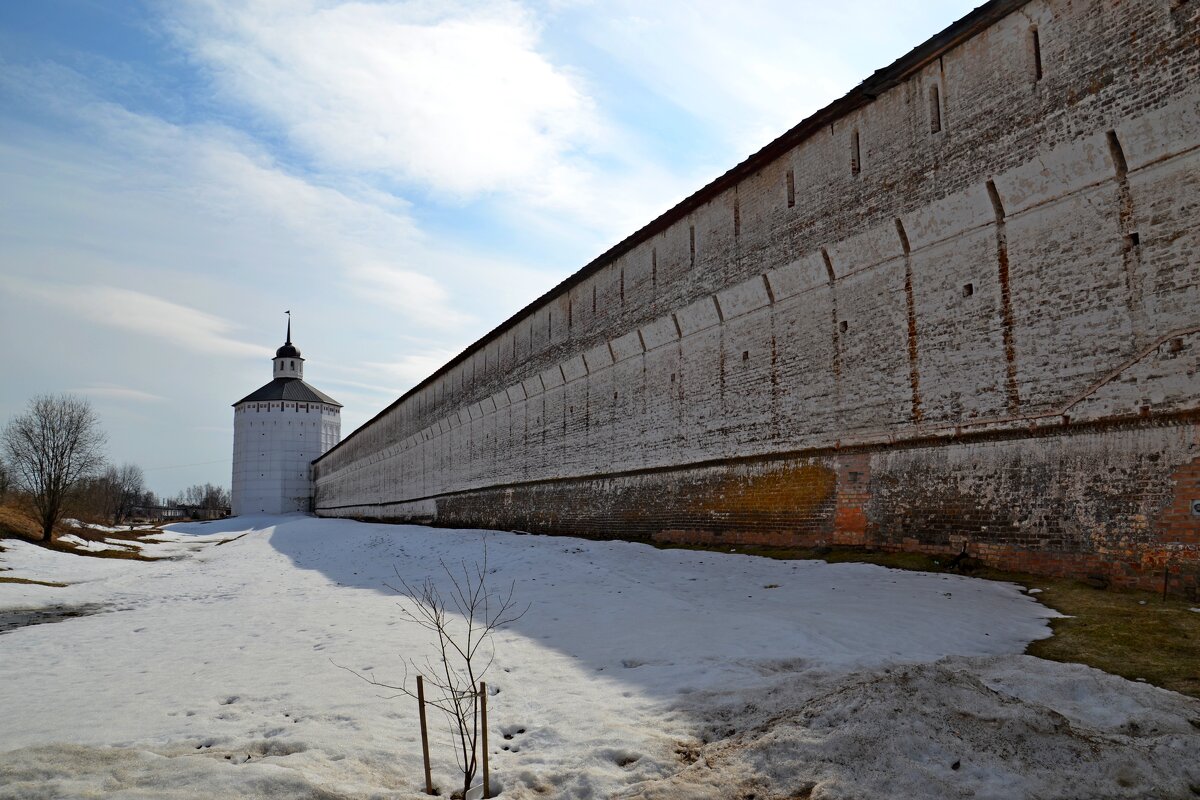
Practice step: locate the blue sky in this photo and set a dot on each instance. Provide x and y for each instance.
(401, 175)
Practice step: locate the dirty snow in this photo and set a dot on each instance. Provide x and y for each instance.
(637, 673)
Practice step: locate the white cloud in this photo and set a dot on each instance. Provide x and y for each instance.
(149, 195)
(419, 297)
(390, 378)
(143, 314)
(412, 369)
(456, 98)
(114, 392)
(753, 69)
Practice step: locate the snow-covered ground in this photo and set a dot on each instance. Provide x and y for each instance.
(636, 673)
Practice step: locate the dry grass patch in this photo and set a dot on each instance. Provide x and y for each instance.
(31, 581)
(17, 523)
(123, 548)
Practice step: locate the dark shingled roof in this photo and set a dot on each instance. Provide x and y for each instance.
(290, 389)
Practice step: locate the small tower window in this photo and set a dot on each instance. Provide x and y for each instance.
(855, 154)
(291, 364)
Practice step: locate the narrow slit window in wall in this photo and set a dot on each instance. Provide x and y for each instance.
(855, 153)
(593, 298)
(935, 110)
(737, 217)
(1035, 41)
(791, 188)
(622, 287)
(654, 267)
(692, 243)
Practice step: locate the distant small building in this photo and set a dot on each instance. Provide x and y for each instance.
(277, 431)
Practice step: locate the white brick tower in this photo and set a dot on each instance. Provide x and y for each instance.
(277, 432)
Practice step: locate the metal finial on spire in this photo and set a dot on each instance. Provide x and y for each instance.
(289, 333)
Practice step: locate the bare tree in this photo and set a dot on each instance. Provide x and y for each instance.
(4, 481)
(118, 490)
(463, 622)
(50, 448)
(204, 496)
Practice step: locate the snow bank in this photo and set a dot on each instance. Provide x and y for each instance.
(216, 672)
(998, 727)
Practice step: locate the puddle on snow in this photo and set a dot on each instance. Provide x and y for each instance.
(24, 617)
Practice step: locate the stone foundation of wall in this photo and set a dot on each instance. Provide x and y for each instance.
(1115, 502)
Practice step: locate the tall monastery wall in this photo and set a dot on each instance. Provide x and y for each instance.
(958, 308)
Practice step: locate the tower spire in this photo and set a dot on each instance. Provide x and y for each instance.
(288, 363)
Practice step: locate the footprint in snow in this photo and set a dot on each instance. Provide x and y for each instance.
(510, 732)
(622, 758)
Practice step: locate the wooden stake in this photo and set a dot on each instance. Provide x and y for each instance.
(424, 734)
(487, 787)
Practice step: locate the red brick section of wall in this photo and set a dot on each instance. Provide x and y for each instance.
(853, 493)
(1178, 530)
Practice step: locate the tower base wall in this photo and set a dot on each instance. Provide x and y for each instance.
(274, 444)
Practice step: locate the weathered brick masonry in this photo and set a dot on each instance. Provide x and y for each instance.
(958, 308)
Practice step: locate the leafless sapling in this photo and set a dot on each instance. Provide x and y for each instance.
(463, 621)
